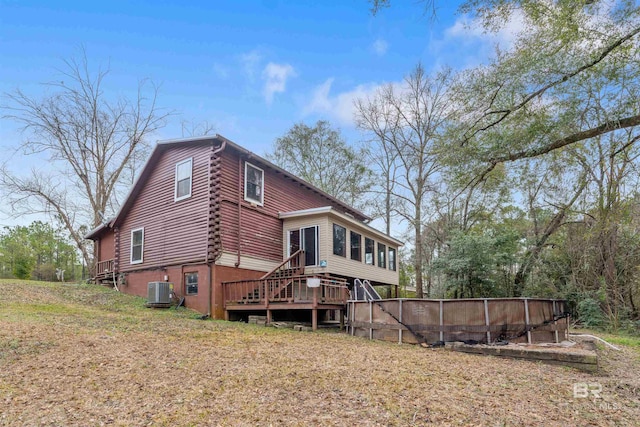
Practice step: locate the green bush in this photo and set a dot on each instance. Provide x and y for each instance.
(590, 314)
(22, 267)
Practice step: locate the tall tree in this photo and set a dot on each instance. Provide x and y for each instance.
(35, 251)
(409, 120)
(90, 138)
(532, 99)
(322, 157)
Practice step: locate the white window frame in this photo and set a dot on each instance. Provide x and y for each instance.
(246, 198)
(175, 191)
(301, 243)
(141, 248)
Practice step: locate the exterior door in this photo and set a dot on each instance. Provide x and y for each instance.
(307, 240)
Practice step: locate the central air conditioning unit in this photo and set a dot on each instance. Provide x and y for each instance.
(159, 293)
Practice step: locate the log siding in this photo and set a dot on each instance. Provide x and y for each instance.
(174, 231)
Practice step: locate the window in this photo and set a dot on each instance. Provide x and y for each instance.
(368, 251)
(356, 243)
(339, 240)
(382, 255)
(392, 259)
(253, 184)
(307, 240)
(137, 245)
(191, 283)
(183, 179)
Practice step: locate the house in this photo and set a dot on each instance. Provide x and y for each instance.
(236, 234)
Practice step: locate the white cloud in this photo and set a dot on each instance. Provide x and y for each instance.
(250, 62)
(468, 31)
(380, 47)
(275, 77)
(467, 44)
(340, 107)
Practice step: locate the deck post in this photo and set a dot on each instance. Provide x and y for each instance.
(370, 320)
(486, 320)
(353, 317)
(400, 318)
(268, 316)
(526, 320)
(555, 322)
(441, 321)
(314, 310)
(341, 319)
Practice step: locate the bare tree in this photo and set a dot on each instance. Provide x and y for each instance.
(384, 160)
(409, 120)
(322, 157)
(90, 139)
(191, 128)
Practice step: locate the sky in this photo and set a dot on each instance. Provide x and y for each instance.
(252, 69)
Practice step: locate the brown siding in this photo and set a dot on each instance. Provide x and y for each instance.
(174, 232)
(106, 246)
(261, 230)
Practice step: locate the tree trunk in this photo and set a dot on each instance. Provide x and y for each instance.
(418, 255)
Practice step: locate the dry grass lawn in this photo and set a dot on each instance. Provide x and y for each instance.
(85, 355)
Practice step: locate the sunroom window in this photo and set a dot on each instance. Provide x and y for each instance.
(368, 251)
(356, 243)
(392, 259)
(382, 255)
(339, 240)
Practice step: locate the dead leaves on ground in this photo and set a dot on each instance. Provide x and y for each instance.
(99, 358)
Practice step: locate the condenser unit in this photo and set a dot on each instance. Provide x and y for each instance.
(159, 293)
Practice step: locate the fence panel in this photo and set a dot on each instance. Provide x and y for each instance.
(481, 320)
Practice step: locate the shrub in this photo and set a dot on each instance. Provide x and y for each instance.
(590, 314)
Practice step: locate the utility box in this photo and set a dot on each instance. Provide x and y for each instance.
(159, 294)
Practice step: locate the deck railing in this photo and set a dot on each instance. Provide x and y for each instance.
(292, 290)
(105, 267)
(291, 266)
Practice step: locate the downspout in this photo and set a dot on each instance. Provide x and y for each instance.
(211, 260)
(240, 192)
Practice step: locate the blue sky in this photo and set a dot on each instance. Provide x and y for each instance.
(250, 68)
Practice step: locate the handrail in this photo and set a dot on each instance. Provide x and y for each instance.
(261, 291)
(295, 254)
(368, 292)
(105, 266)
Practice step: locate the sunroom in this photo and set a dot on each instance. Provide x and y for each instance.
(339, 245)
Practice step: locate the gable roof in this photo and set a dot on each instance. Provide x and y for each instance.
(165, 145)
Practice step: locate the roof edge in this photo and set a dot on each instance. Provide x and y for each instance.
(331, 211)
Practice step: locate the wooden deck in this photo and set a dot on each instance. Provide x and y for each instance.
(104, 270)
(286, 293)
(287, 287)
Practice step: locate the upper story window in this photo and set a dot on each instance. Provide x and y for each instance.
(184, 172)
(392, 259)
(356, 244)
(253, 184)
(382, 255)
(368, 251)
(137, 245)
(339, 240)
